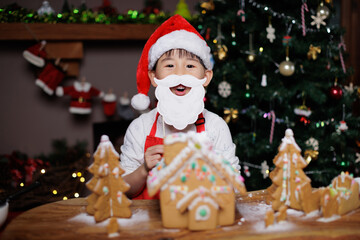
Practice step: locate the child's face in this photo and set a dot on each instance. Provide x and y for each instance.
(174, 64)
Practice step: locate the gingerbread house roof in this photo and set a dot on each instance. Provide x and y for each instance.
(198, 146)
(196, 195)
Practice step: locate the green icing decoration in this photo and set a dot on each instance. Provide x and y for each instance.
(203, 212)
(183, 178)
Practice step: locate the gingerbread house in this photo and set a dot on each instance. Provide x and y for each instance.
(341, 197)
(196, 184)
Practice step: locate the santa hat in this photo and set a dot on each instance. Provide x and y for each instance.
(174, 33)
(36, 54)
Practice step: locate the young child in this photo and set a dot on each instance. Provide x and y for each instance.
(176, 61)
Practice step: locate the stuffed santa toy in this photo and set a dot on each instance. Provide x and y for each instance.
(81, 94)
(36, 54)
(175, 33)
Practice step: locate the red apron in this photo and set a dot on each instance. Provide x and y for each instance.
(151, 140)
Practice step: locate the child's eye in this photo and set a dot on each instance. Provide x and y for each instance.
(190, 66)
(169, 65)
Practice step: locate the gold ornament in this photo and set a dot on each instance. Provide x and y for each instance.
(221, 52)
(230, 114)
(323, 10)
(287, 68)
(310, 155)
(210, 6)
(251, 57)
(313, 52)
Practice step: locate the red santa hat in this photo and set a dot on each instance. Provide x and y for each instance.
(174, 33)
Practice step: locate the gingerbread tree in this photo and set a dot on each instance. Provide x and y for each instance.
(288, 175)
(108, 187)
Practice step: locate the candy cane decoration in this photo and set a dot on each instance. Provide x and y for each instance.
(273, 118)
(304, 8)
(342, 44)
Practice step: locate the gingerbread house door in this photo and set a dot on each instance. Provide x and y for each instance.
(203, 216)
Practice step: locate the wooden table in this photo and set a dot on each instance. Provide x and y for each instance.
(68, 220)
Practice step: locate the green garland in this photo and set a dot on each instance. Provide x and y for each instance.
(15, 14)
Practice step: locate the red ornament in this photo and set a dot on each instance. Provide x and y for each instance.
(336, 92)
(304, 120)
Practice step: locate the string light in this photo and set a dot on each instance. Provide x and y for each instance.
(42, 171)
(82, 179)
(79, 174)
(22, 184)
(74, 175)
(65, 198)
(76, 195)
(54, 192)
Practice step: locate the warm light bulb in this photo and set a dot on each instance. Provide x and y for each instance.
(22, 184)
(42, 171)
(74, 175)
(54, 192)
(65, 198)
(76, 195)
(79, 174)
(82, 179)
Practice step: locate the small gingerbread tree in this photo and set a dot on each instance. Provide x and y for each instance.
(288, 175)
(108, 187)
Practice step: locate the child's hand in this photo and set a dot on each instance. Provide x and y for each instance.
(152, 156)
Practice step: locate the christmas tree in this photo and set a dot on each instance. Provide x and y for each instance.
(278, 65)
(108, 199)
(288, 175)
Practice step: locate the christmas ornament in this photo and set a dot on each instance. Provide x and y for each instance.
(318, 20)
(273, 118)
(303, 111)
(230, 114)
(264, 80)
(224, 89)
(336, 91)
(45, 9)
(342, 45)
(323, 10)
(183, 10)
(304, 8)
(270, 32)
(109, 103)
(51, 76)
(153, 7)
(210, 6)
(313, 52)
(343, 126)
(241, 11)
(313, 143)
(310, 155)
(264, 169)
(357, 158)
(81, 94)
(349, 89)
(221, 52)
(251, 56)
(287, 68)
(246, 171)
(36, 54)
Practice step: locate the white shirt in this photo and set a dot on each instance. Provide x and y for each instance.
(132, 151)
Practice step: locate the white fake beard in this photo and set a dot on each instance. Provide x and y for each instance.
(180, 111)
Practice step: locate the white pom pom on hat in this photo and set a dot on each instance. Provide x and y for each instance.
(174, 33)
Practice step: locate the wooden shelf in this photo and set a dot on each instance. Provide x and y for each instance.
(80, 32)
